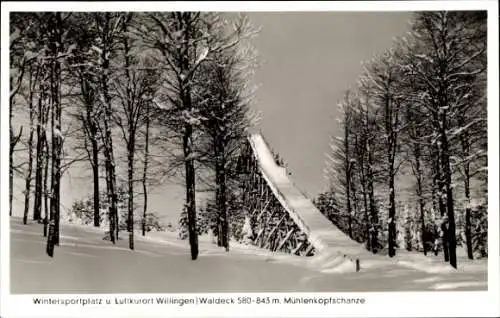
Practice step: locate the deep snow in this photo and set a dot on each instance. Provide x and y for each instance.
(85, 263)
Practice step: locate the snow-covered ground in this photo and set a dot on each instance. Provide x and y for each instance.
(85, 263)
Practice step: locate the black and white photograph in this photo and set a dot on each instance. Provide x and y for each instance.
(197, 156)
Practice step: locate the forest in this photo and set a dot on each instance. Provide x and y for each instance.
(409, 168)
(139, 97)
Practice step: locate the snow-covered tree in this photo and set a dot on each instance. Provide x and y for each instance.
(135, 90)
(442, 57)
(224, 107)
(367, 150)
(341, 162)
(109, 27)
(382, 81)
(57, 46)
(182, 43)
(89, 110)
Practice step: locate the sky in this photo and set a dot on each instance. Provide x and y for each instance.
(308, 60)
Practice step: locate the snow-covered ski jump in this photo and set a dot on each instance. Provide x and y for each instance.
(326, 239)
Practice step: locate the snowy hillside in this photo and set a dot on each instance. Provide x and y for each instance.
(84, 263)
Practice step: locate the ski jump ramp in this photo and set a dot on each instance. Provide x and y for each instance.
(330, 242)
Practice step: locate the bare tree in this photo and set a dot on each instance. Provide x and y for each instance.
(84, 72)
(366, 135)
(415, 140)
(46, 153)
(472, 117)
(109, 27)
(18, 60)
(383, 80)
(55, 43)
(340, 165)
(32, 83)
(135, 92)
(145, 167)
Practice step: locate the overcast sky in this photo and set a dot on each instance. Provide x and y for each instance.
(309, 61)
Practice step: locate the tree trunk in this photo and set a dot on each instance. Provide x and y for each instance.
(53, 237)
(111, 215)
(216, 210)
(391, 123)
(422, 218)
(188, 137)
(361, 149)
(130, 221)
(363, 231)
(444, 238)
(218, 189)
(371, 198)
(392, 215)
(51, 241)
(45, 185)
(348, 176)
(145, 173)
(91, 121)
(55, 79)
(95, 174)
(419, 191)
(13, 140)
(131, 108)
(442, 207)
(190, 180)
(27, 192)
(91, 128)
(452, 241)
(110, 181)
(190, 190)
(468, 225)
(221, 187)
(40, 152)
(392, 190)
(108, 141)
(468, 233)
(57, 176)
(219, 224)
(57, 193)
(367, 217)
(11, 174)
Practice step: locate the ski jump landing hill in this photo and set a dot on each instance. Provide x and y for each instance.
(333, 247)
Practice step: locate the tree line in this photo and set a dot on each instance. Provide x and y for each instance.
(409, 168)
(113, 88)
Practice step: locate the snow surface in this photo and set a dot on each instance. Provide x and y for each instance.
(161, 263)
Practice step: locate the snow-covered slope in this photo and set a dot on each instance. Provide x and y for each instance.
(328, 240)
(161, 263)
